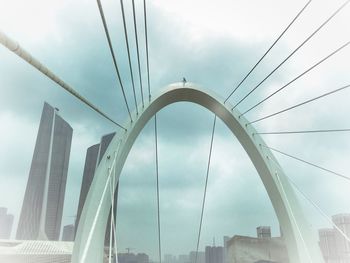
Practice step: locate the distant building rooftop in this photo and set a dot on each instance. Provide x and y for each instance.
(14, 251)
(243, 249)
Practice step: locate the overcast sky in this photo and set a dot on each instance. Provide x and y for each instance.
(214, 44)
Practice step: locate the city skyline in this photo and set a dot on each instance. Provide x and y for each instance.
(212, 44)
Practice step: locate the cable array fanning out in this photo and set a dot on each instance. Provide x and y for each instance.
(14, 47)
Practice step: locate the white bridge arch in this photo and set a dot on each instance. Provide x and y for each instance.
(300, 239)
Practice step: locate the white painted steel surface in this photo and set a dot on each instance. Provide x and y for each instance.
(300, 239)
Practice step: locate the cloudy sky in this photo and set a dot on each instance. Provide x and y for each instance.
(214, 44)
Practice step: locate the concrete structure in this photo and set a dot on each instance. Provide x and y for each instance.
(35, 251)
(300, 238)
(68, 233)
(263, 232)
(242, 249)
(263, 248)
(42, 207)
(6, 222)
(335, 248)
(214, 254)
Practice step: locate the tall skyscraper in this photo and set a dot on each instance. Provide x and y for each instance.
(88, 176)
(6, 222)
(68, 233)
(105, 141)
(42, 208)
(93, 157)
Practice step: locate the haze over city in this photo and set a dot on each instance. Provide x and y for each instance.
(213, 44)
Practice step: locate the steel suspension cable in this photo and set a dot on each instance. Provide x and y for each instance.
(97, 214)
(111, 227)
(299, 76)
(305, 131)
(115, 202)
(147, 58)
(318, 209)
(295, 50)
(314, 204)
(114, 218)
(157, 185)
(205, 188)
(128, 50)
(306, 162)
(113, 55)
(300, 104)
(110, 240)
(137, 49)
(113, 190)
(25, 55)
(274, 43)
(115, 238)
(289, 207)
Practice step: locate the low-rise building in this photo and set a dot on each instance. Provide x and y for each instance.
(263, 248)
(35, 251)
